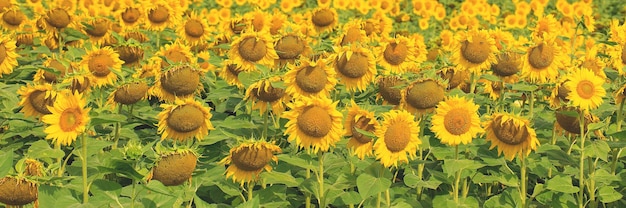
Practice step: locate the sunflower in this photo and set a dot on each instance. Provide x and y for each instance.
(12, 18)
(258, 19)
(175, 167)
(194, 29)
(570, 124)
(512, 134)
(313, 123)
(247, 160)
(262, 93)
(310, 79)
(620, 94)
(176, 52)
(456, 121)
(184, 119)
(397, 137)
(128, 94)
(36, 99)
(542, 61)
(422, 96)
(8, 56)
(291, 45)
(592, 62)
(352, 32)
(355, 66)
(358, 118)
(509, 64)
(455, 78)
(396, 55)
(178, 82)
(586, 91)
(230, 73)
(57, 18)
(323, 19)
(559, 93)
(131, 54)
(160, 15)
(130, 16)
(46, 76)
(101, 63)
(390, 89)
(68, 118)
(474, 50)
(98, 29)
(253, 48)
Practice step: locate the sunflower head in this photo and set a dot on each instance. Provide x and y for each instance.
(508, 64)
(58, 18)
(101, 63)
(131, 55)
(397, 138)
(454, 77)
(183, 120)
(36, 99)
(314, 123)
(364, 120)
(17, 191)
(324, 19)
(585, 89)
(456, 121)
(68, 118)
(130, 93)
(180, 81)
(263, 93)
(390, 89)
(512, 134)
(355, 66)
(310, 78)
(571, 123)
(253, 48)
(247, 160)
(423, 95)
(475, 50)
(174, 168)
(542, 61)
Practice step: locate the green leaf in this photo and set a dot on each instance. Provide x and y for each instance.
(490, 77)
(248, 78)
(107, 119)
(365, 133)
(524, 87)
(411, 180)
(106, 187)
(6, 163)
(599, 149)
(620, 135)
(452, 166)
(299, 162)
(369, 185)
(508, 198)
(594, 126)
(275, 177)
(607, 194)
(41, 150)
(538, 189)
(562, 184)
(158, 187)
(254, 203)
(556, 154)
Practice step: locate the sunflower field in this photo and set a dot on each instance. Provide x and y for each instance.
(312, 103)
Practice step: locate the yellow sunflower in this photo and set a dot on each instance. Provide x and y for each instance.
(98, 29)
(55, 65)
(422, 96)
(56, 18)
(176, 52)
(247, 160)
(323, 19)
(313, 123)
(253, 48)
(101, 62)
(456, 121)
(36, 99)
(397, 137)
(358, 118)
(355, 66)
(586, 91)
(8, 56)
(12, 18)
(194, 29)
(262, 93)
(291, 45)
(130, 16)
(618, 51)
(310, 79)
(542, 61)
(230, 73)
(390, 89)
(592, 62)
(512, 134)
(160, 15)
(351, 32)
(397, 55)
(184, 119)
(620, 94)
(180, 82)
(68, 118)
(474, 50)
(559, 93)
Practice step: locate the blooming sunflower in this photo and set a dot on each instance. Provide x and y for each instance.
(422, 96)
(159, 15)
(230, 73)
(262, 93)
(8, 56)
(176, 52)
(130, 16)
(456, 121)
(56, 18)
(68, 118)
(184, 119)
(323, 19)
(474, 50)
(101, 62)
(358, 118)
(194, 29)
(586, 91)
(178, 82)
(397, 137)
(352, 32)
(313, 123)
(618, 51)
(396, 55)
(546, 25)
(36, 99)
(509, 64)
(310, 79)
(355, 66)
(131, 54)
(253, 48)
(247, 160)
(542, 61)
(512, 134)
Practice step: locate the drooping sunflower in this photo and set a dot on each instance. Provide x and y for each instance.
(509, 64)
(98, 29)
(184, 119)
(456, 121)
(101, 62)
(474, 50)
(351, 32)
(620, 94)
(68, 118)
(586, 91)
(559, 93)
(323, 19)
(178, 82)
(230, 73)
(131, 54)
(355, 66)
(253, 48)
(173, 168)
(570, 124)
(422, 96)
(12, 18)
(8, 56)
(128, 94)
(247, 160)
(291, 45)
(55, 65)
(512, 134)
(313, 123)
(262, 93)
(390, 89)
(396, 55)
(358, 118)
(542, 61)
(130, 15)
(160, 15)
(493, 88)
(310, 78)
(176, 52)
(57, 18)
(397, 137)
(194, 29)
(36, 99)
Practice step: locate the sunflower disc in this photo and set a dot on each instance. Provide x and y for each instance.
(39, 101)
(252, 159)
(131, 93)
(17, 192)
(387, 88)
(174, 169)
(181, 82)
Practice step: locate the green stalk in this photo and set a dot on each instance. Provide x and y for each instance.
(59, 160)
(307, 200)
(615, 159)
(592, 185)
(457, 177)
(379, 197)
(250, 187)
(84, 167)
(320, 179)
(116, 137)
(532, 104)
(265, 117)
(523, 181)
(581, 121)
(420, 167)
(620, 116)
(473, 83)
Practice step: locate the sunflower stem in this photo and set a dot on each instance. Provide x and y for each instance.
(60, 42)
(307, 201)
(250, 187)
(591, 187)
(457, 178)
(531, 104)
(420, 167)
(616, 155)
(116, 137)
(581, 183)
(320, 179)
(522, 191)
(57, 146)
(84, 169)
(620, 116)
(473, 83)
(265, 117)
